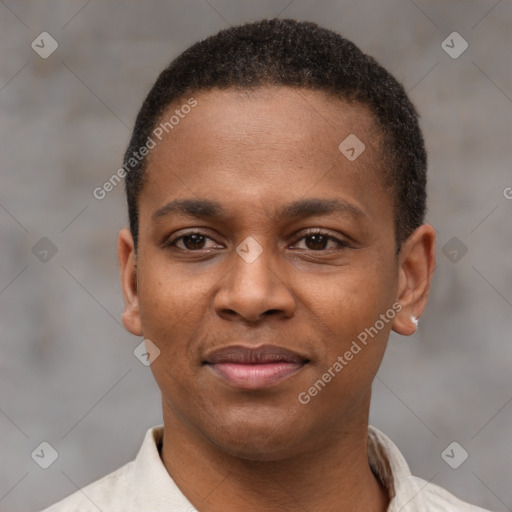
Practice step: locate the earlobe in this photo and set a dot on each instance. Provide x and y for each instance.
(128, 265)
(417, 263)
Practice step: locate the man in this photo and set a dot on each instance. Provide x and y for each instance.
(276, 192)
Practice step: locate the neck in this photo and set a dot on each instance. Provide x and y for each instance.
(334, 476)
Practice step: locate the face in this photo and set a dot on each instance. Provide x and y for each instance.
(264, 254)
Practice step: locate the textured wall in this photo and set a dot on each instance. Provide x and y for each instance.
(67, 369)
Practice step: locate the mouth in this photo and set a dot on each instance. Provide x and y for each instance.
(255, 367)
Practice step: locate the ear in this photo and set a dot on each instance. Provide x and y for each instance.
(128, 264)
(417, 260)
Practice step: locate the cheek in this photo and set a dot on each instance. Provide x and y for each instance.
(353, 348)
(351, 300)
(349, 310)
(171, 302)
(172, 309)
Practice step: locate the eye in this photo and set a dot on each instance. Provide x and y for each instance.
(193, 241)
(320, 241)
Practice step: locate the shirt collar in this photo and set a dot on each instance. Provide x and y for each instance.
(157, 487)
(389, 465)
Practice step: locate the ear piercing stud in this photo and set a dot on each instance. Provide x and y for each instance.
(414, 320)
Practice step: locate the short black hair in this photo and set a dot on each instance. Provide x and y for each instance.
(286, 52)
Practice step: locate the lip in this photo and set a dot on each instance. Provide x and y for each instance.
(255, 367)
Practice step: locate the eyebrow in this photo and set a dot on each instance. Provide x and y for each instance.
(303, 208)
(199, 208)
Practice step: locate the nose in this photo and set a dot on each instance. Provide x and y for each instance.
(252, 291)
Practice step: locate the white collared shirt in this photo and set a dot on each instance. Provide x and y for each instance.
(145, 485)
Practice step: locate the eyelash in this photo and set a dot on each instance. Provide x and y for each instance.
(341, 244)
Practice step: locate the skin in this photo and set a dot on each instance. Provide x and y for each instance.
(230, 449)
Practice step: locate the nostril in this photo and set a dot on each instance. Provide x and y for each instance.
(271, 312)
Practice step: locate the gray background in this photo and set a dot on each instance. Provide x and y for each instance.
(67, 369)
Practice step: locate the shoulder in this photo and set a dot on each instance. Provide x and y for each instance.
(126, 487)
(104, 494)
(407, 492)
(142, 484)
(434, 498)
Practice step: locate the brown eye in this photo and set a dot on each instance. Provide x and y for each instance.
(320, 241)
(316, 242)
(194, 241)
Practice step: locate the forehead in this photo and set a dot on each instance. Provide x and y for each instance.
(270, 114)
(267, 143)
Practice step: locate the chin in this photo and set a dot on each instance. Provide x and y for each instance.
(254, 451)
(259, 441)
